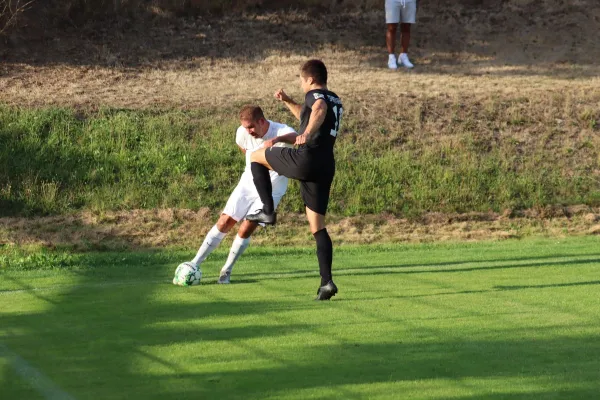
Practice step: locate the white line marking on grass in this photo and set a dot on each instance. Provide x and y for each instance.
(100, 285)
(40, 382)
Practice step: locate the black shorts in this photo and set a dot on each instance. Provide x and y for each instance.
(314, 170)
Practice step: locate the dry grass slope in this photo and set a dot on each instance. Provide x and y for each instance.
(184, 228)
(517, 73)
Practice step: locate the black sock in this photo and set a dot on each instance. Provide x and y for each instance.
(262, 181)
(324, 255)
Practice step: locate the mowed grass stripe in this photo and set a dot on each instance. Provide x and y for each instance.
(513, 319)
(244, 277)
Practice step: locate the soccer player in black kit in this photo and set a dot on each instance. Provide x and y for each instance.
(311, 162)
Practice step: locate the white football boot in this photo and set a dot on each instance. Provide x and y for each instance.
(224, 278)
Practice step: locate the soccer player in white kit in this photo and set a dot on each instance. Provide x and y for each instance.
(255, 132)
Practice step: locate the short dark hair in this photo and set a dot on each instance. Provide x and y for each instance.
(251, 112)
(315, 69)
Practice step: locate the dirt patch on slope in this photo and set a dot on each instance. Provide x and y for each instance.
(187, 228)
(198, 61)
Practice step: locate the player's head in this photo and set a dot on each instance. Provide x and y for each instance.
(253, 120)
(313, 74)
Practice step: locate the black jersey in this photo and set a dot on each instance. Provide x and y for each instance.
(324, 137)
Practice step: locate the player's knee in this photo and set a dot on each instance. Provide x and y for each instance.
(257, 156)
(244, 233)
(225, 223)
(246, 229)
(316, 228)
(316, 223)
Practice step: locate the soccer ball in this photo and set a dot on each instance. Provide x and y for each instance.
(187, 274)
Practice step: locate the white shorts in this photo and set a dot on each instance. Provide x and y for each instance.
(396, 11)
(244, 199)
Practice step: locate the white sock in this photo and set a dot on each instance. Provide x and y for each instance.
(212, 241)
(238, 247)
(392, 56)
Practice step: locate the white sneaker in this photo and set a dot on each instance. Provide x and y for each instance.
(392, 63)
(405, 61)
(224, 278)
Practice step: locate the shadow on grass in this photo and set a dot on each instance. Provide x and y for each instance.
(555, 285)
(494, 289)
(24, 286)
(90, 341)
(591, 393)
(354, 364)
(436, 268)
(97, 342)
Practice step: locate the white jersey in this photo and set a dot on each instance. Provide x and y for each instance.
(250, 144)
(244, 199)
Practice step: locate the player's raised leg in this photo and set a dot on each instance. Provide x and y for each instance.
(262, 180)
(239, 245)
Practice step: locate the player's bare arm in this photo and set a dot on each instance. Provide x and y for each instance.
(317, 116)
(294, 107)
(259, 155)
(288, 138)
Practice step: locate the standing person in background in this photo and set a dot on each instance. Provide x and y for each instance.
(403, 12)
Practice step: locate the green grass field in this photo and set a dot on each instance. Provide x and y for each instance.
(496, 320)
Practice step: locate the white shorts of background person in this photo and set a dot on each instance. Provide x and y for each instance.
(398, 11)
(403, 12)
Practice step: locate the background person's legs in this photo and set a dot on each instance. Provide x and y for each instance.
(408, 16)
(390, 40)
(405, 39)
(392, 18)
